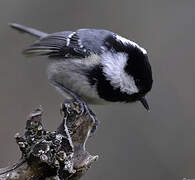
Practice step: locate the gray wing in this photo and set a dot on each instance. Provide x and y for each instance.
(68, 44)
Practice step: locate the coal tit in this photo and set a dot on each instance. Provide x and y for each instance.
(97, 66)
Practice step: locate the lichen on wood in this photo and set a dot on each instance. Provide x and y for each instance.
(58, 155)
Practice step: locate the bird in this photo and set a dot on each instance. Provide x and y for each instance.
(93, 66)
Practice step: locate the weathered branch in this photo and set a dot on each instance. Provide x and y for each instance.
(53, 155)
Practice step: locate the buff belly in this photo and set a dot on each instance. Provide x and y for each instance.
(69, 73)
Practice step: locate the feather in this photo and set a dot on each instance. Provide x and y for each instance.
(62, 45)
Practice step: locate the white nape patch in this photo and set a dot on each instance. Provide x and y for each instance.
(68, 39)
(126, 41)
(113, 67)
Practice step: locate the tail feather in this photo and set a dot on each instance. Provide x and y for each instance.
(28, 30)
(51, 45)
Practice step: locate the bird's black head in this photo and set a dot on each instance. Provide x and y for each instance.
(124, 74)
(137, 66)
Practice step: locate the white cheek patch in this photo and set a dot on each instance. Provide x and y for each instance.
(113, 67)
(126, 41)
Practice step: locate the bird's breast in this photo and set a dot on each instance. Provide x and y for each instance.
(73, 75)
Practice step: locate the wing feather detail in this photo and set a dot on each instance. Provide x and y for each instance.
(58, 45)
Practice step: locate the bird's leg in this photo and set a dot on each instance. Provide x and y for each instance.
(82, 103)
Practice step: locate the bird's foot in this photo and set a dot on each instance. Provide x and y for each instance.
(84, 109)
(66, 101)
(92, 115)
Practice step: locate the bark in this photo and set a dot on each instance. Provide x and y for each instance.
(58, 155)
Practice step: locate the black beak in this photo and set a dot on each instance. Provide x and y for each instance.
(145, 103)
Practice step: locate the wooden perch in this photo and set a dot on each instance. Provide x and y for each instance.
(53, 155)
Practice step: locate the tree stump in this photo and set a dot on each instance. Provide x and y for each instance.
(59, 155)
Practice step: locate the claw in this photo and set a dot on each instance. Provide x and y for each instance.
(62, 106)
(82, 106)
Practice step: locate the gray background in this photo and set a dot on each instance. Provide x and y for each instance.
(132, 143)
